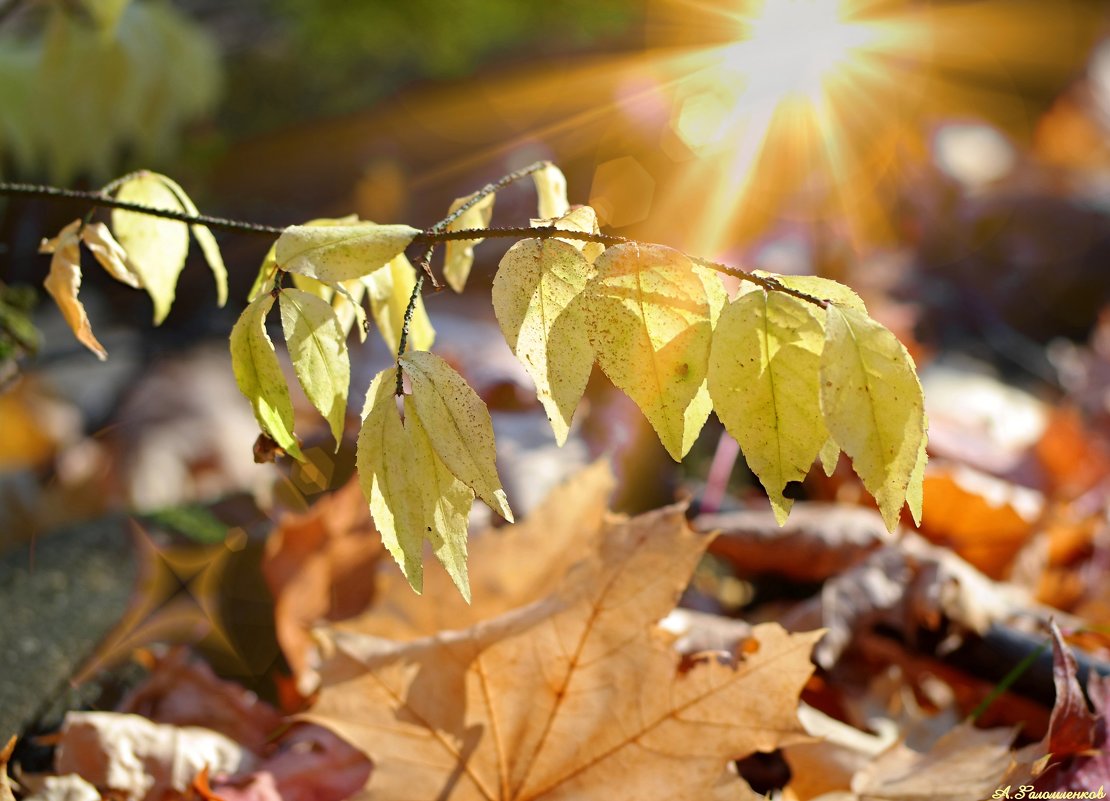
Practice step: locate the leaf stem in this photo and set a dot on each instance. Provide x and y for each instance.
(403, 342)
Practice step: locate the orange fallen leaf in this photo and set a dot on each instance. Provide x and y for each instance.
(984, 519)
(572, 696)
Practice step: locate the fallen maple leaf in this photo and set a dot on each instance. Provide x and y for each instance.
(510, 566)
(574, 696)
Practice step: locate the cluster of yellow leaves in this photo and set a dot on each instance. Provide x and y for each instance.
(145, 252)
(793, 377)
(578, 692)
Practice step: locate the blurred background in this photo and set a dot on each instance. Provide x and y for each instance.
(949, 159)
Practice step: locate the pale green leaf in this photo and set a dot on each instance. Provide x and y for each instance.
(915, 493)
(829, 456)
(873, 406)
(581, 218)
(318, 350)
(551, 189)
(537, 299)
(458, 425)
(447, 502)
(388, 291)
(204, 238)
(342, 252)
(650, 324)
(112, 257)
(459, 255)
(820, 288)
(156, 247)
(390, 479)
(763, 378)
(259, 376)
(263, 281)
(64, 282)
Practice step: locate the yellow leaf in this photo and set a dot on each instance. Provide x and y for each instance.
(458, 425)
(873, 405)
(650, 324)
(537, 299)
(318, 350)
(64, 282)
(109, 253)
(829, 456)
(578, 696)
(259, 376)
(204, 238)
(388, 473)
(915, 492)
(581, 218)
(820, 288)
(763, 378)
(447, 502)
(389, 289)
(156, 247)
(551, 188)
(266, 272)
(459, 255)
(341, 252)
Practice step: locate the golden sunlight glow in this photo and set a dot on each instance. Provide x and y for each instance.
(782, 107)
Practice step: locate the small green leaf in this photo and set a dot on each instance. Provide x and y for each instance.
(536, 294)
(388, 474)
(156, 247)
(459, 255)
(873, 406)
(342, 252)
(318, 349)
(650, 322)
(259, 376)
(763, 378)
(458, 424)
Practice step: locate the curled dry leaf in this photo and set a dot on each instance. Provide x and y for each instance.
(140, 760)
(183, 691)
(110, 254)
(64, 282)
(570, 696)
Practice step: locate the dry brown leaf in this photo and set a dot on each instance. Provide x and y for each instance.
(817, 541)
(320, 566)
(185, 692)
(572, 696)
(1071, 729)
(910, 584)
(64, 282)
(966, 764)
(509, 567)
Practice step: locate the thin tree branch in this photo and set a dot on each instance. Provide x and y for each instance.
(430, 237)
